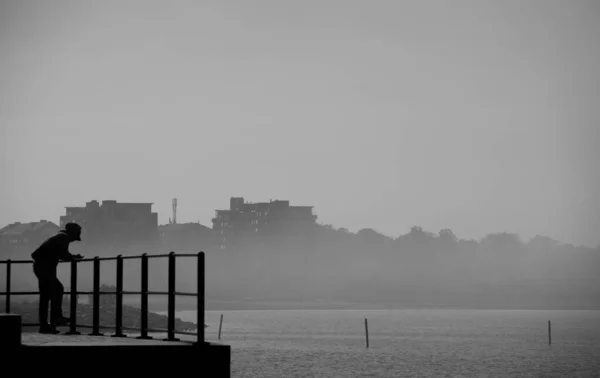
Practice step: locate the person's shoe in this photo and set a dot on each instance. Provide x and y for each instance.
(62, 321)
(48, 330)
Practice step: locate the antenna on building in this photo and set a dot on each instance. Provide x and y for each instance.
(174, 210)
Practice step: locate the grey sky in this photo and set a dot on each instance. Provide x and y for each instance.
(480, 116)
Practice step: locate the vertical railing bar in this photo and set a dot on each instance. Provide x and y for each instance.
(96, 306)
(144, 306)
(200, 294)
(171, 305)
(8, 279)
(73, 325)
(171, 319)
(119, 304)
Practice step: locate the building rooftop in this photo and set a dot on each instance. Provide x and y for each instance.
(18, 228)
(111, 201)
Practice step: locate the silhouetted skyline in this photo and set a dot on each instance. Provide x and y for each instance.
(476, 116)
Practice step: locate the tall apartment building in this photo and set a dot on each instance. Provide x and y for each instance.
(114, 221)
(243, 218)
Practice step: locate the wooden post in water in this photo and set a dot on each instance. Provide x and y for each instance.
(549, 333)
(220, 324)
(367, 332)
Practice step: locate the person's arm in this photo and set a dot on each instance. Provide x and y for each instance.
(62, 249)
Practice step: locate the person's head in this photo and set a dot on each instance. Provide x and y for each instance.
(73, 231)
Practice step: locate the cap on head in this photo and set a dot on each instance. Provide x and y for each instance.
(73, 230)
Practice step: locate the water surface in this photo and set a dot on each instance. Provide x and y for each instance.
(409, 343)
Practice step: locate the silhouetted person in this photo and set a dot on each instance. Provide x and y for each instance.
(46, 258)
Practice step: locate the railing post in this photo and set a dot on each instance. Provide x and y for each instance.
(8, 263)
(119, 309)
(200, 297)
(144, 310)
(73, 300)
(171, 306)
(96, 314)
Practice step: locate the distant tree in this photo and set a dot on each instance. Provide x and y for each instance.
(446, 236)
(415, 230)
(368, 235)
(543, 243)
(369, 232)
(417, 234)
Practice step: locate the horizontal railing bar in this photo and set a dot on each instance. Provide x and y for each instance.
(102, 327)
(186, 333)
(103, 293)
(67, 292)
(91, 259)
(21, 293)
(161, 330)
(185, 294)
(107, 258)
(125, 328)
(108, 326)
(130, 328)
(158, 293)
(155, 293)
(38, 324)
(157, 256)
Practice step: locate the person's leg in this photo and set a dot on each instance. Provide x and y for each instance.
(45, 293)
(45, 285)
(58, 291)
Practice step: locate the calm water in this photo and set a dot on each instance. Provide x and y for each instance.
(409, 343)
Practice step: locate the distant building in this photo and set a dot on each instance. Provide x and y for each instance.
(187, 236)
(245, 218)
(27, 234)
(114, 221)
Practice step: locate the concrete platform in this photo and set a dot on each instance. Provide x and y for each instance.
(75, 354)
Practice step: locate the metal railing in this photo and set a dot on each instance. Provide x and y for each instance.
(96, 293)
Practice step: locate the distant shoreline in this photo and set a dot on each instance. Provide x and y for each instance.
(265, 305)
(315, 305)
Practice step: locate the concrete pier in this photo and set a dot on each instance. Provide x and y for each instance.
(82, 349)
(10, 331)
(74, 355)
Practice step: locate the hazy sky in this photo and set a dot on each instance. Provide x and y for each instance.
(480, 116)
